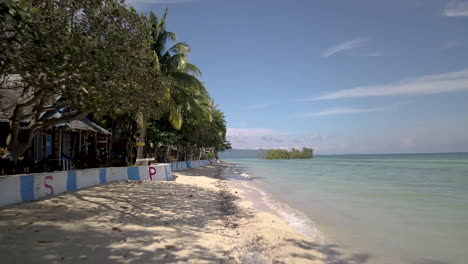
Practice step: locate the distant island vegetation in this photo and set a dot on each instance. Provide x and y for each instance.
(305, 153)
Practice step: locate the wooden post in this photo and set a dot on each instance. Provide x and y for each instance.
(79, 143)
(95, 141)
(60, 148)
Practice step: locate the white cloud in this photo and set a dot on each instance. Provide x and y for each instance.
(456, 8)
(316, 137)
(249, 131)
(429, 84)
(345, 46)
(338, 111)
(263, 138)
(433, 135)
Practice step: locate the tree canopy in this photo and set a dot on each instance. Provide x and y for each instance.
(305, 153)
(78, 57)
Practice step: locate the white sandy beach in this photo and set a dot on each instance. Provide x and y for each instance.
(196, 219)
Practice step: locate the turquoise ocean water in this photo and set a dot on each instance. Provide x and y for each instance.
(408, 208)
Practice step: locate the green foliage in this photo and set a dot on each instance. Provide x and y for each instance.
(78, 55)
(195, 121)
(210, 156)
(184, 92)
(104, 58)
(305, 153)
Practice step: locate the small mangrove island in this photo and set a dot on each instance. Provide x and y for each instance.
(305, 153)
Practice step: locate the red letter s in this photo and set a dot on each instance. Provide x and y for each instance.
(48, 185)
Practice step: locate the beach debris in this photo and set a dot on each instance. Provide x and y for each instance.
(18, 214)
(37, 230)
(123, 207)
(116, 229)
(190, 195)
(43, 241)
(139, 181)
(169, 246)
(62, 258)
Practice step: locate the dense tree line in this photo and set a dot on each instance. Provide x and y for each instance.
(305, 153)
(101, 57)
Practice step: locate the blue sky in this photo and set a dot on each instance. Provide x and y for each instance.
(361, 76)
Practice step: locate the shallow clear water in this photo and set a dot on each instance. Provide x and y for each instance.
(410, 208)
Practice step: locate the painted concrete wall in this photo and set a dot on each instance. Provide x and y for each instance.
(183, 165)
(18, 188)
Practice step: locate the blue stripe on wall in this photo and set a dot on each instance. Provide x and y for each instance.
(27, 187)
(133, 173)
(189, 165)
(102, 175)
(71, 181)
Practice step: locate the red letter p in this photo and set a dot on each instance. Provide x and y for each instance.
(152, 171)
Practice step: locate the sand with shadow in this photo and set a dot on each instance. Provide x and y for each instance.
(196, 219)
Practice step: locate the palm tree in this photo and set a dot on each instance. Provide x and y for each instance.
(184, 92)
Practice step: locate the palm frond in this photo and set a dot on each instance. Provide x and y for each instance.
(191, 69)
(187, 81)
(175, 116)
(179, 48)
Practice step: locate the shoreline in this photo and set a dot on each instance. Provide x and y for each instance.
(197, 218)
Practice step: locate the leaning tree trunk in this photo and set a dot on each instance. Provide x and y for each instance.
(141, 138)
(168, 151)
(18, 141)
(178, 152)
(201, 151)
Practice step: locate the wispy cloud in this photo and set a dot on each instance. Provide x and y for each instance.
(245, 132)
(258, 106)
(251, 138)
(316, 137)
(338, 111)
(429, 84)
(429, 136)
(345, 46)
(456, 8)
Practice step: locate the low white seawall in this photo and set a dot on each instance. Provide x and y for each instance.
(18, 188)
(183, 165)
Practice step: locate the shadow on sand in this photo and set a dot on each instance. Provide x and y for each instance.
(126, 222)
(132, 222)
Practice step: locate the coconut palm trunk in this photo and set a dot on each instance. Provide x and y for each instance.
(142, 125)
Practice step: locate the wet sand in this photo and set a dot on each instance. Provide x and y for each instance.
(196, 219)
